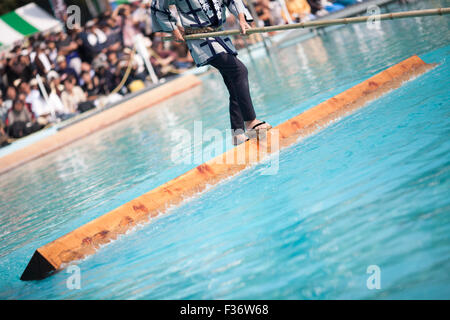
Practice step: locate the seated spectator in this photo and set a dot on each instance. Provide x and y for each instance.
(86, 67)
(276, 13)
(14, 69)
(28, 71)
(142, 18)
(101, 36)
(29, 94)
(113, 37)
(2, 71)
(45, 111)
(52, 52)
(52, 75)
(161, 59)
(106, 81)
(69, 47)
(115, 31)
(34, 98)
(53, 109)
(113, 60)
(3, 135)
(317, 8)
(64, 69)
(298, 9)
(20, 121)
(263, 11)
(56, 104)
(3, 108)
(73, 97)
(184, 59)
(53, 80)
(94, 41)
(7, 103)
(90, 86)
(124, 19)
(23, 97)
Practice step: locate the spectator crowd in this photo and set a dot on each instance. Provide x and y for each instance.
(54, 76)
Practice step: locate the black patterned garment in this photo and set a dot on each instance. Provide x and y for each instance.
(196, 14)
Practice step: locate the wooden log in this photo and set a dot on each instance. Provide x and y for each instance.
(88, 238)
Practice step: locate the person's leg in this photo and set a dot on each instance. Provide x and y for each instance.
(243, 94)
(236, 118)
(240, 82)
(235, 75)
(236, 78)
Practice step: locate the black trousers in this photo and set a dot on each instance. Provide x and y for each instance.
(235, 76)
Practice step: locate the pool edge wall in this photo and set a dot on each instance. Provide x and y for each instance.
(97, 122)
(86, 239)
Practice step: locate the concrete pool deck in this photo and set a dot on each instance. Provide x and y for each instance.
(54, 140)
(87, 239)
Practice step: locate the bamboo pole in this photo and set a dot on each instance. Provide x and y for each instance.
(322, 23)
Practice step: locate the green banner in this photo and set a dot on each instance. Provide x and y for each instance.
(18, 24)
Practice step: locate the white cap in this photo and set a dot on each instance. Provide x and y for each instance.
(52, 75)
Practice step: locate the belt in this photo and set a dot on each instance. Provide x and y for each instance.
(189, 31)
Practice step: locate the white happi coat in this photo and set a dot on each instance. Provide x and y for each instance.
(196, 14)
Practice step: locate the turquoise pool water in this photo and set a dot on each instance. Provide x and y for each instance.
(371, 189)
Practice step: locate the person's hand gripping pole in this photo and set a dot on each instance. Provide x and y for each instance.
(178, 34)
(243, 25)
